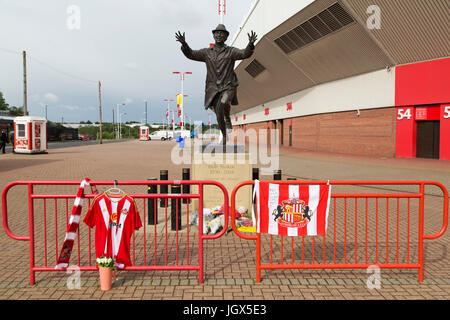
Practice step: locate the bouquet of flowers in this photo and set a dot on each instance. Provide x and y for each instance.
(106, 262)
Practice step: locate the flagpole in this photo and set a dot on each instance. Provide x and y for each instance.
(100, 110)
(168, 115)
(182, 95)
(222, 10)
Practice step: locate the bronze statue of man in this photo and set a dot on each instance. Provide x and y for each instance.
(221, 81)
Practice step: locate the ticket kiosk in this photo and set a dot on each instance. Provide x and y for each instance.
(30, 134)
(143, 133)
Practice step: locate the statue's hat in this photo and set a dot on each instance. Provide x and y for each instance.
(221, 27)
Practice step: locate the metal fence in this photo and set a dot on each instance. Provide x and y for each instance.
(383, 229)
(153, 247)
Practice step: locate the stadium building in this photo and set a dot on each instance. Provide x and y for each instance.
(362, 77)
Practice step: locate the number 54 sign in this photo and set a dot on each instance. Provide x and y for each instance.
(404, 113)
(447, 112)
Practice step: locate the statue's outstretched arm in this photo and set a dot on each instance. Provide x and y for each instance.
(252, 37)
(181, 38)
(240, 54)
(197, 55)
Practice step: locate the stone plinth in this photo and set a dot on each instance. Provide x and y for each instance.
(229, 165)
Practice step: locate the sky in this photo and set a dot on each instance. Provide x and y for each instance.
(128, 45)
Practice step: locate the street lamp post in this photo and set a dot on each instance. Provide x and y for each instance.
(120, 124)
(173, 122)
(182, 94)
(168, 113)
(145, 111)
(118, 116)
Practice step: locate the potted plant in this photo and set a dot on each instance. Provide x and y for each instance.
(106, 268)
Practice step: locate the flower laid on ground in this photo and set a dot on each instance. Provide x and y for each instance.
(106, 262)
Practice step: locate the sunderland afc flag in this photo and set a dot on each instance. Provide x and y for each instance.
(292, 210)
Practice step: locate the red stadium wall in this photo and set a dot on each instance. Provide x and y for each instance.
(422, 83)
(422, 93)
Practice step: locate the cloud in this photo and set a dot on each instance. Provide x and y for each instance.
(128, 100)
(51, 97)
(71, 108)
(131, 65)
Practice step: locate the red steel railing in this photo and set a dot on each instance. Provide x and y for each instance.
(375, 212)
(141, 249)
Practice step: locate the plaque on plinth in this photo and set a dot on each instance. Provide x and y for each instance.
(228, 164)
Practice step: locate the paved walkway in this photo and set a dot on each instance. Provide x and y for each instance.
(229, 261)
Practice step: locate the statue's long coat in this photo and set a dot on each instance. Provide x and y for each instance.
(220, 74)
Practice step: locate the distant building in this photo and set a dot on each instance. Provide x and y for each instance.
(75, 125)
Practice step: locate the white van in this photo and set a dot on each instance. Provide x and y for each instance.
(161, 135)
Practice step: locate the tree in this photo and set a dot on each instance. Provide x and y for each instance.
(16, 111)
(13, 111)
(3, 104)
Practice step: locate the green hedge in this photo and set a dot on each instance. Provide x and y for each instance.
(108, 131)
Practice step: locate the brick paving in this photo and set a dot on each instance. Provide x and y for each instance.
(229, 261)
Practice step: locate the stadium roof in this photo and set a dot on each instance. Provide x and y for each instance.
(306, 43)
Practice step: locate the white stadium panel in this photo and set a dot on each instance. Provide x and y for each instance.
(371, 90)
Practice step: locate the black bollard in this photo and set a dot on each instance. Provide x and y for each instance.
(175, 211)
(186, 175)
(277, 174)
(164, 188)
(255, 174)
(152, 214)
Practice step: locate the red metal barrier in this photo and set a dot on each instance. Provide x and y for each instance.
(139, 250)
(337, 259)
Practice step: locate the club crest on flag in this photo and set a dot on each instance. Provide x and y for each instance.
(291, 209)
(292, 213)
(65, 254)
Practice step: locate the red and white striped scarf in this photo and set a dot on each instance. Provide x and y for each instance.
(72, 228)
